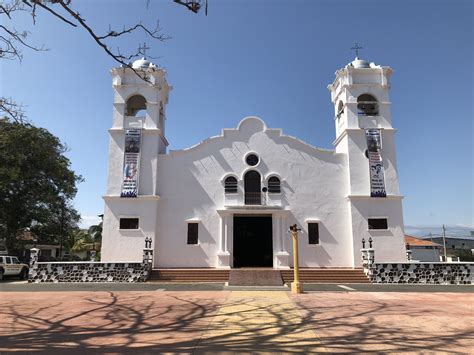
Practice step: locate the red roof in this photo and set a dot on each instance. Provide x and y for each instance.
(417, 242)
(27, 236)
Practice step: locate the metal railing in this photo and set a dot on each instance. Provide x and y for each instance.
(253, 198)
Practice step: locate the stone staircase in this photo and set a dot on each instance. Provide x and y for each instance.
(327, 275)
(307, 275)
(190, 275)
(255, 277)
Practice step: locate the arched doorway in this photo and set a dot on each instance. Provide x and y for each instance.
(253, 192)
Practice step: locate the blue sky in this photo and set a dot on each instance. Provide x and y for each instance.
(273, 59)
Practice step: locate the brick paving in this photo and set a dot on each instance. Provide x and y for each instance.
(384, 322)
(259, 321)
(236, 322)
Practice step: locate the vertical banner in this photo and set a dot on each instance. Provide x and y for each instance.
(377, 177)
(131, 163)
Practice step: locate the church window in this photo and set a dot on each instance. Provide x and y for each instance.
(136, 106)
(252, 187)
(340, 110)
(193, 233)
(252, 159)
(162, 118)
(128, 223)
(378, 223)
(367, 105)
(274, 185)
(230, 185)
(313, 233)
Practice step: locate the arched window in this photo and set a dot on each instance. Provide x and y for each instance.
(162, 118)
(253, 194)
(230, 185)
(367, 105)
(340, 109)
(274, 185)
(136, 106)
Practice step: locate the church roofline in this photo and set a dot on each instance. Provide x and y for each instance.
(242, 126)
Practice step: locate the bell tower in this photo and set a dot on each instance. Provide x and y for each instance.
(137, 136)
(364, 132)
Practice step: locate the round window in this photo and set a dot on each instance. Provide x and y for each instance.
(251, 159)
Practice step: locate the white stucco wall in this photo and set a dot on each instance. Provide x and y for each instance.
(324, 186)
(127, 245)
(313, 187)
(389, 244)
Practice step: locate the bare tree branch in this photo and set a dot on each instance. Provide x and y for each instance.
(54, 13)
(12, 41)
(192, 5)
(11, 110)
(99, 40)
(155, 33)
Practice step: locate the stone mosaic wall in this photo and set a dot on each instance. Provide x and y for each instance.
(88, 272)
(424, 273)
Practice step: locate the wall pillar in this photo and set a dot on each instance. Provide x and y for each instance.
(223, 255)
(282, 257)
(368, 259)
(34, 254)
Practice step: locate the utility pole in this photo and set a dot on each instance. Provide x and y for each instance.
(444, 244)
(296, 286)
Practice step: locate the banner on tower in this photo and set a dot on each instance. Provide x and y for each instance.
(377, 176)
(131, 163)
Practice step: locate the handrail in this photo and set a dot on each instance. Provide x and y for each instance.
(253, 198)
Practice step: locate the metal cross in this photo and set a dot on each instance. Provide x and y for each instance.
(143, 49)
(356, 48)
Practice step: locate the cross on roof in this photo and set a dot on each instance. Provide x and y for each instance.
(142, 49)
(356, 48)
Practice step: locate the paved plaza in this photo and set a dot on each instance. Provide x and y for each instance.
(236, 321)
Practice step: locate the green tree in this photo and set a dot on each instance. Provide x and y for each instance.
(84, 241)
(96, 232)
(37, 183)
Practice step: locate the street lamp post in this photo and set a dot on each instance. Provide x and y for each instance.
(296, 286)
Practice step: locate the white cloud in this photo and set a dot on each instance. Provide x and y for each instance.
(87, 221)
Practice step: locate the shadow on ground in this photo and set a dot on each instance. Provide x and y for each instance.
(186, 322)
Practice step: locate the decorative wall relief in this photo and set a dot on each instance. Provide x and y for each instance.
(88, 272)
(423, 273)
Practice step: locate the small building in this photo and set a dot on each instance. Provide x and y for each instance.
(455, 242)
(458, 247)
(29, 240)
(423, 250)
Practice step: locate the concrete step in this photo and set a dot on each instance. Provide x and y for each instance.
(255, 277)
(259, 276)
(257, 288)
(338, 275)
(189, 275)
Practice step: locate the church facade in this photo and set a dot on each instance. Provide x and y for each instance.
(228, 201)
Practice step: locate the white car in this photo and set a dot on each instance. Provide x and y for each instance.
(11, 266)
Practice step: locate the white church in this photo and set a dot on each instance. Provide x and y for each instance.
(227, 202)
